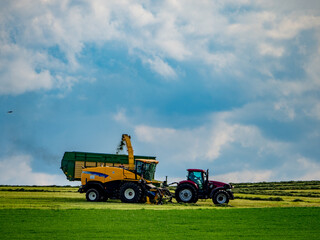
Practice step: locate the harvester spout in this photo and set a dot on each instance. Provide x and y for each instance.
(127, 139)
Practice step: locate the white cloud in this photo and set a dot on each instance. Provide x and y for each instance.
(298, 168)
(18, 74)
(16, 170)
(161, 67)
(209, 142)
(28, 32)
(286, 111)
(266, 49)
(222, 134)
(139, 15)
(291, 25)
(246, 176)
(184, 31)
(121, 116)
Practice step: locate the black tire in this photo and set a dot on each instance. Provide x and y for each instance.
(186, 193)
(130, 193)
(220, 197)
(93, 195)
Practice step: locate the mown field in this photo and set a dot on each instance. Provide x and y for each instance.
(280, 210)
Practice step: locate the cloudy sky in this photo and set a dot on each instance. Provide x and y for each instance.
(233, 86)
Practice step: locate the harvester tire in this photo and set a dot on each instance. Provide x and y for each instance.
(93, 195)
(130, 193)
(220, 197)
(186, 193)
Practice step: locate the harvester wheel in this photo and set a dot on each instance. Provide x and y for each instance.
(93, 195)
(130, 193)
(186, 193)
(220, 197)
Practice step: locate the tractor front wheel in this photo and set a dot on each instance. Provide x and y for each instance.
(130, 193)
(220, 197)
(186, 193)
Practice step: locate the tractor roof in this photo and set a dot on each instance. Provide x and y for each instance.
(195, 170)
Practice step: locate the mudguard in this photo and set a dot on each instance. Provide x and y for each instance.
(190, 182)
(230, 194)
(92, 184)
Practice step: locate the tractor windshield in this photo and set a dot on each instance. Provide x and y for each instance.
(196, 177)
(146, 169)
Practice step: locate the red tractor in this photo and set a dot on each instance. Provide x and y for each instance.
(198, 186)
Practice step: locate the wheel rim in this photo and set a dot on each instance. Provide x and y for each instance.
(129, 193)
(185, 195)
(221, 198)
(92, 196)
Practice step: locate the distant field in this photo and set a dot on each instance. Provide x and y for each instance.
(285, 210)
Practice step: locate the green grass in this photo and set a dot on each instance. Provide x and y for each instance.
(229, 223)
(53, 212)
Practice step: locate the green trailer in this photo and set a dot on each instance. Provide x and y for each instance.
(72, 163)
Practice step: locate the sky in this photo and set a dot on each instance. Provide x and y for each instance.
(229, 86)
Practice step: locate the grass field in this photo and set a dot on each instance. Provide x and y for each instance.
(285, 210)
(264, 223)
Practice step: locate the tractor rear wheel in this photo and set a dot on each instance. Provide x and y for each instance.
(130, 193)
(186, 193)
(93, 195)
(220, 197)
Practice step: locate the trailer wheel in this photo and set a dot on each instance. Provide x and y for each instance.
(220, 197)
(130, 193)
(186, 193)
(93, 195)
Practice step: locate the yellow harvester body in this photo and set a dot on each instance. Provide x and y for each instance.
(132, 183)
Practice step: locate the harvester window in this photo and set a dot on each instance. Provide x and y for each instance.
(139, 167)
(146, 169)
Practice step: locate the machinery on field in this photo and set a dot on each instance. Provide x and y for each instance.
(130, 178)
(133, 183)
(198, 186)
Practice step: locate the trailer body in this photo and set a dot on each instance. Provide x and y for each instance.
(72, 163)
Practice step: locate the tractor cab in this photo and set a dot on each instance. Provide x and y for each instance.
(198, 176)
(146, 168)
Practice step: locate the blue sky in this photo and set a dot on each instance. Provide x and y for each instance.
(232, 86)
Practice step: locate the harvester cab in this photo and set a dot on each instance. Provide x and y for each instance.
(146, 168)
